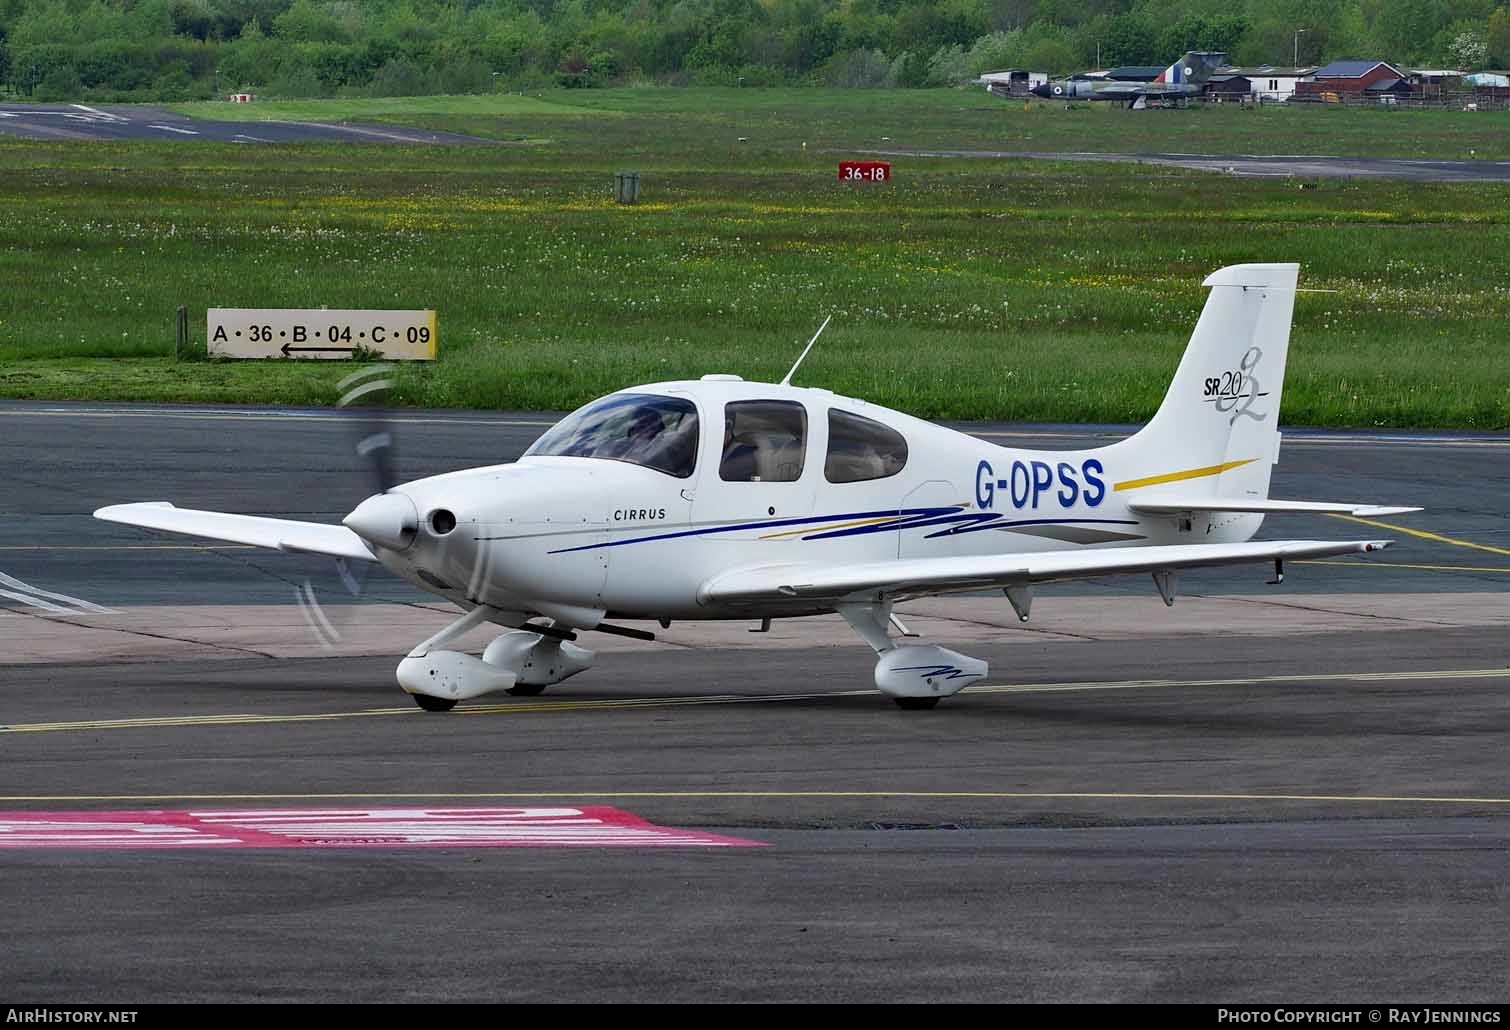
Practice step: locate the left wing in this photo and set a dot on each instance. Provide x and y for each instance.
(905, 578)
(278, 534)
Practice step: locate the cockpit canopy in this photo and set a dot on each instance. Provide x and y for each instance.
(643, 429)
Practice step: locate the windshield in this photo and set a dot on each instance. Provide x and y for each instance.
(642, 429)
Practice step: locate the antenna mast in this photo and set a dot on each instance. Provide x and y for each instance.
(788, 380)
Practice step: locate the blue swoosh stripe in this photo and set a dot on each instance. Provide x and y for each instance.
(935, 670)
(918, 522)
(973, 522)
(917, 518)
(958, 530)
(768, 524)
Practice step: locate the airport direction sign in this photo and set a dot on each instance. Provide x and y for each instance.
(321, 333)
(864, 171)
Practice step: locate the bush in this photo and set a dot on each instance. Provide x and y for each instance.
(857, 69)
(1050, 55)
(910, 69)
(297, 82)
(173, 82)
(464, 76)
(948, 66)
(60, 83)
(995, 52)
(579, 71)
(398, 78)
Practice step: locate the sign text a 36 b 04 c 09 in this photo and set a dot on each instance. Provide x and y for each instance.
(321, 333)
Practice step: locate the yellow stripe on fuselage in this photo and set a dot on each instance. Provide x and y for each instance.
(827, 529)
(1176, 477)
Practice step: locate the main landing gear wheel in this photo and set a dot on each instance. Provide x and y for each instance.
(914, 704)
(434, 704)
(527, 690)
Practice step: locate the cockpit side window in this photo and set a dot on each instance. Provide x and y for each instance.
(861, 448)
(643, 429)
(764, 442)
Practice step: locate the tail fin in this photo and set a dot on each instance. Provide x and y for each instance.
(1217, 432)
(1194, 68)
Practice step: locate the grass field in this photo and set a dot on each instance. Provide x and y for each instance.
(701, 124)
(967, 289)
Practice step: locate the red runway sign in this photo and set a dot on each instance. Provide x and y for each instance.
(591, 827)
(864, 171)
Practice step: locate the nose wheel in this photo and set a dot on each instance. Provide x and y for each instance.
(434, 704)
(915, 704)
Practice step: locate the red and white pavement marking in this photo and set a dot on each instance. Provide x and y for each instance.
(590, 827)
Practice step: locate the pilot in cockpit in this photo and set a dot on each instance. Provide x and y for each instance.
(738, 464)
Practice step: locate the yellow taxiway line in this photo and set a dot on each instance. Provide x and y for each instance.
(1424, 535)
(612, 704)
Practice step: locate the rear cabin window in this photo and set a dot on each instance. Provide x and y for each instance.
(764, 442)
(861, 449)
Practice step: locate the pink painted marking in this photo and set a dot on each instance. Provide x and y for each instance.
(512, 827)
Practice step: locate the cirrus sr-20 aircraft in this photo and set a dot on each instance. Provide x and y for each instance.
(724, 499)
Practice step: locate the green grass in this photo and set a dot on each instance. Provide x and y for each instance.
(966, 289)
(678, 124)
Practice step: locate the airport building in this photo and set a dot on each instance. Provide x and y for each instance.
(1353, 81)
(1275, 84)
(1012, 82)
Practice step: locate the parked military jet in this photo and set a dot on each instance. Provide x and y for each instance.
(1179, 82)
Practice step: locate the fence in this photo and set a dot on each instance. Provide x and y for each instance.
(1488, 99)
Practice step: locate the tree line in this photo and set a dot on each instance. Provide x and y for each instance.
(189, 49)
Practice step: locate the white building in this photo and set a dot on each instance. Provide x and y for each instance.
(1014, 82)
(1272, 84)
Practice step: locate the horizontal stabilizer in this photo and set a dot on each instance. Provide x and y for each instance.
(900, 579)
(1170, 504)
(278, 534)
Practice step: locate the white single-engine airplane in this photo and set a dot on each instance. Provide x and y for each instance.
(725, 499)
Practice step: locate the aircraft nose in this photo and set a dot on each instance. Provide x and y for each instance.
(387, 520)
(1043, 89)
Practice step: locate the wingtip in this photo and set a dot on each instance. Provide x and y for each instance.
(110, 511)
(1377, 510)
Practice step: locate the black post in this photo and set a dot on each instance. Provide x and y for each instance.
(183, 332)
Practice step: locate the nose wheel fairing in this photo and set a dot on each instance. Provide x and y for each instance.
(452, 676)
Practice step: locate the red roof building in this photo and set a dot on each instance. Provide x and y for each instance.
(1353, 79)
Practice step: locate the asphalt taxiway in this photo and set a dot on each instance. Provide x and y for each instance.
(99, 122)
(1264, 826)
(1262, 794)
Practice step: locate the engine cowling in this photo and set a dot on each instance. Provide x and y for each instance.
(927, 670)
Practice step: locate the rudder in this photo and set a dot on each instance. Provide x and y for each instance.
(1217, 430)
